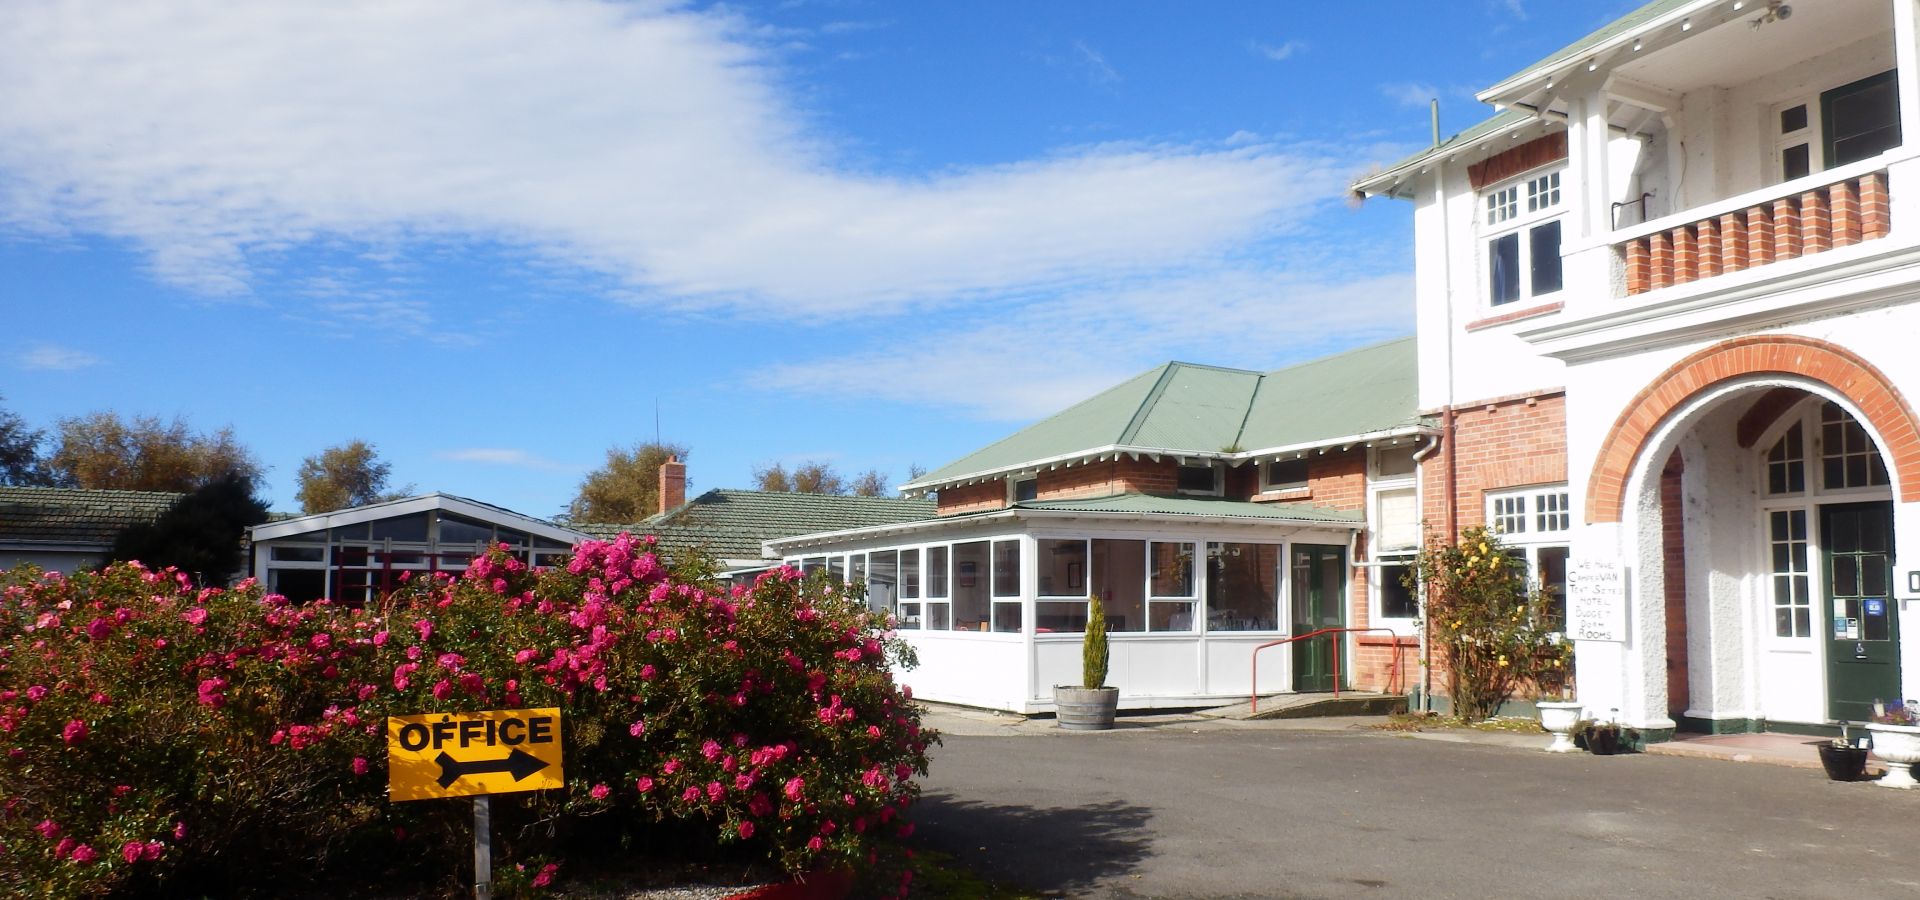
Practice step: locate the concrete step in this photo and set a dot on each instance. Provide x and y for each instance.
(1306, 706)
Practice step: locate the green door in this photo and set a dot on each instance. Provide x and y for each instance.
(1319, 601)
(1862, 622)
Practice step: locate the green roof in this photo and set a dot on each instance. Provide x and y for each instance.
(1148, 504)
(1492, 125)
(1181, 407)
(733, 524)
(76, 515)
(1605, 33)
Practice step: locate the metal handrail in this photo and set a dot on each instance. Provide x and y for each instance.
(1393, 670)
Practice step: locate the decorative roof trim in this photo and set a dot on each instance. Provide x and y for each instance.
(408, 506)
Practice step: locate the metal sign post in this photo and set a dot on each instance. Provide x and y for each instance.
(483, 847)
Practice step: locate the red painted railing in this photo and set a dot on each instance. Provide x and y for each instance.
(1393, 670)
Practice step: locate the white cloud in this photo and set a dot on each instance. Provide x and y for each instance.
(1410, 93)
(650, 142)
(503, 456)
(55, 358)
(1038, 359)
(1278, 52)
(1096, 64)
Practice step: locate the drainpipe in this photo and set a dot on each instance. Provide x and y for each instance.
(1449, 462)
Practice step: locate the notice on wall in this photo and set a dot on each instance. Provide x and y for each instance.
(1596, 601)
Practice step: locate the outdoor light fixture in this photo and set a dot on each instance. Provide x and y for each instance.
(1686, 24)
(1636, 45)
(1776, 12)
(1593, 64)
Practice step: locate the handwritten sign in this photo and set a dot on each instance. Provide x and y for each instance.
(1596, 601)
(466, 754)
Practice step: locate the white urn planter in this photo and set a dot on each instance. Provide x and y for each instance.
(1558, 718)
(1899, 747)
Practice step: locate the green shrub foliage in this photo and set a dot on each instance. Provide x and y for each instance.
(1093, 655)
(155, 732)
(1487, 624)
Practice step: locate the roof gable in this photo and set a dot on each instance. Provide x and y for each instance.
(485, 512)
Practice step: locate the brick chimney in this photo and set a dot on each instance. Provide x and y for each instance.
(673, 483)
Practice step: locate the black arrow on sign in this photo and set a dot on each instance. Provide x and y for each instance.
(520, 763)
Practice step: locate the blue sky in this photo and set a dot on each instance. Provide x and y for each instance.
(491, 237)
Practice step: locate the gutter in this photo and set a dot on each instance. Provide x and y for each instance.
(773, 548)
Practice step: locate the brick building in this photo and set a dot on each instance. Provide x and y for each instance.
(1212, 510)
(1664, 300)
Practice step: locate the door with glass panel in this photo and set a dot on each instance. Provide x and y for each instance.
(1863, 636)
(1319, 579)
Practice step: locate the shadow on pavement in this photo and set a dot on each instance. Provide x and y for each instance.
(1048, 849)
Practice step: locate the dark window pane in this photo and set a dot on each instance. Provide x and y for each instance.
(937, 573)
(404, 528)
(1028, 489)
(1846, 581)
(1783, 622)
(1503, 258)
(1006, 570)
(460, 531)
(298, 585)
(1793, 119)
(1196, 479)
(1287, 473)
(1396, 599)
(1861, 119)
(1544, 249)
(1795, 162)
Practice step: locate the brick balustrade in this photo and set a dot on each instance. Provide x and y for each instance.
(1803, 223)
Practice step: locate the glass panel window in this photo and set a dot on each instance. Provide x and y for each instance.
(1006, 616)
(1787, 542)
(1397, 601)
(1006, 568)
(1550, 573)
(1063, 567)
(1399, 521)
(1061, 616)
(298, 585)
(1026, 489)
(910, 574)
(1283, 475)
(299, 554)
(970, 585)
(1503, 204)
(1393, 462)
(813, 564)
(936, 573)
(837, 568)
(1509, 514)
(883, 580)
(1796, 161)
(1172, 569)
(1503, 275)
(1202, 478)
(511, 538)
(1119, 578)
(462, 531)
(856, 567)
(1543, 192)
(1848, 458)
(1543, 254)
(403, 528)
(1861, 119)
(1787, 463)
(1793, 118)
(1552, 512)
(1243, 587)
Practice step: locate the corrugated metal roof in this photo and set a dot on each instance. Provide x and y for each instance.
(1492, 125)
(730, 524)
(1149, 504)
(1216, 411)
(1605, 33)
(77, 515)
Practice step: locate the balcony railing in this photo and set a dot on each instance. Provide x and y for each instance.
(1800, 221)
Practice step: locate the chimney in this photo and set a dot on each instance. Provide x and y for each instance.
(673, 483)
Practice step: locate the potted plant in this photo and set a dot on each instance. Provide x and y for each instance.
(1559, 712)
(1091, 705)
(1895, 729)
(1609, 737)
(1842, 760)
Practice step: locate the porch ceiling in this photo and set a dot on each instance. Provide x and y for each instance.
(1740, 51)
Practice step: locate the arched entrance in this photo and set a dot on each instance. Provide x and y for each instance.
(1755, 510)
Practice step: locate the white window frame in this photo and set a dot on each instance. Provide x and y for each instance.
(1267, 485)
(1525, 217)
(1219, 488)
(1380, 557)
(1014, 483)
(1540, 504)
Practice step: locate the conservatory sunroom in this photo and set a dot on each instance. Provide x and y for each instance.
(995, 603)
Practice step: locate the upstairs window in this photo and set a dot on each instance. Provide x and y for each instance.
(1283, 475)
(1861, 120)
(1201, 478)
(1021, 490)
(1523, 243)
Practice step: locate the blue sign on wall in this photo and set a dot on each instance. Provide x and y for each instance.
(1876, 607)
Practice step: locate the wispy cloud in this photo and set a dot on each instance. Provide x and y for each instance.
(503, 456)
(654, 144)
(1096, 64)
(1410, 93)
(1280, 52)
(55, 358)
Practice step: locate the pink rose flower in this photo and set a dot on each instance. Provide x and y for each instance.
(643, 784)
(360, 765)
(600, 792)
(75, 732)
(84, 854)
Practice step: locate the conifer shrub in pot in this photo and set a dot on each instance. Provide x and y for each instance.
(1090, 706)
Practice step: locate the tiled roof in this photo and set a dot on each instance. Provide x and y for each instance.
(1217, 412)
(732, 524)
(76, 515)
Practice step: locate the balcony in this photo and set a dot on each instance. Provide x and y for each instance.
(1821, 212)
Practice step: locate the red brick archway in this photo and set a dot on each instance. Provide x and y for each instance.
(1852, 377)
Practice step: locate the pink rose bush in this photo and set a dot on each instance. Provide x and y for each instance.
(194, 728)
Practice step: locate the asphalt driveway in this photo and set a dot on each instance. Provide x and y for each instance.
(1193, 809)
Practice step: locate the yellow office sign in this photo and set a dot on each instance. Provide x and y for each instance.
(464, 754)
